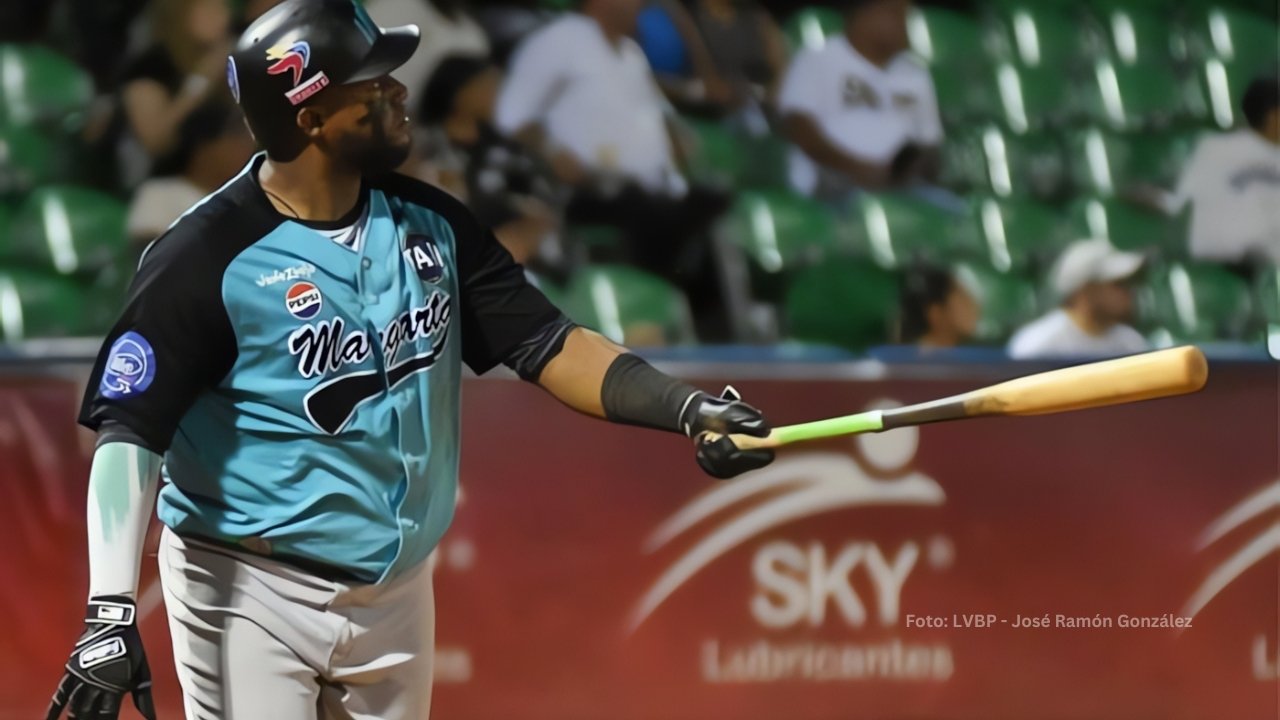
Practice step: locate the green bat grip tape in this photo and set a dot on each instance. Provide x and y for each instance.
(869, 421)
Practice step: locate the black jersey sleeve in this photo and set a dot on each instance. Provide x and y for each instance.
(172, 341)
(500, 309)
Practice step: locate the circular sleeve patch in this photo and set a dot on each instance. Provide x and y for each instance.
(131, 366)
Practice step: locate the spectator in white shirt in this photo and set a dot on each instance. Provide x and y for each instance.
(1091, 279)
(581, 93)
(1232, 183)
(582, 89)
(860, 110)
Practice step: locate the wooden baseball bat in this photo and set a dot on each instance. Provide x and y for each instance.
(1158, 374)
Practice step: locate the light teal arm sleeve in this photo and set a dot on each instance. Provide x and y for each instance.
(122, 494)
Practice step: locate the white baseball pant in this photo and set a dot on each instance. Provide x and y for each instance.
(254, 638)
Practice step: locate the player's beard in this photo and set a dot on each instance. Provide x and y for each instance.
(373, 153)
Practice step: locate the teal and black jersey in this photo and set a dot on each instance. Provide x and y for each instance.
(302, 380)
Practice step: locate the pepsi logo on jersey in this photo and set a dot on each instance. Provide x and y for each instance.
(303, 300)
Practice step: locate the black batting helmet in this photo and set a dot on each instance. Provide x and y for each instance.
(296, 50)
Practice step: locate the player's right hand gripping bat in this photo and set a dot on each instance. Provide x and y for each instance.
(1163, 373)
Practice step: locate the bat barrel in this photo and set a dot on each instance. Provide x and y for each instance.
(1162, 373)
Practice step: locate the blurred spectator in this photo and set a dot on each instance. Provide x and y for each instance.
(745, 44)
(1232, 183)
(447, 29)
(97, 33)
(861, 112)
(679, 58)
(506, 24)
(213, 146)
(581, 94)
(160, 87)
(581, 90)
(1092, 281)
(506, 187)
(938, 311)
(253, 9)
(24, 21)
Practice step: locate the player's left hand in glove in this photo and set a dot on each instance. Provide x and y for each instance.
(725, 415)
(107, 663)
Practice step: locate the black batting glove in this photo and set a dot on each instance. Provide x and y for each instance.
(107, 663)
(725, 415)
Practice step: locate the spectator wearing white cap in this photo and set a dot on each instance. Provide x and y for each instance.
(1091, 280)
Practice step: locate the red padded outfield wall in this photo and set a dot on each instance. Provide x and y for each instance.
(1031, 568)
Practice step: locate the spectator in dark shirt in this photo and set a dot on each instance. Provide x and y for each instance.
(745, 44)
(679, 58)
(506, 186)
(186, 64)
(937, 310)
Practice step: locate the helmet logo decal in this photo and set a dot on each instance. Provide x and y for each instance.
(293, 58)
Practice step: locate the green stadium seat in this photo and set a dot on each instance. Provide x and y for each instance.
(988, 159)
(40, 305)
(717, 156)
(1032, 98)
(724, 157)
(1019, 234)
(844, 302)
(1236, 36)
(1127, 226)
(810, 27)
(1259, 7)
(70, 230)
(898, 230)
(1159, 157)
(945, 37)
(29, 157)
(966, 93)
(6, 235)
(780, 230)
(628, 306)
(1196, 302)
(1034, 33)
(1139, 32)
(1222, 85)
(1102, 162)
(1008, 301)
(765, 166)
(41, 87)
(1131, 97)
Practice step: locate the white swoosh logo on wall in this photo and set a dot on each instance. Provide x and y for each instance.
(811, 484)
(1268, 498)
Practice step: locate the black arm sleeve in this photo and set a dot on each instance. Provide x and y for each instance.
(172, 341)
(636, 393)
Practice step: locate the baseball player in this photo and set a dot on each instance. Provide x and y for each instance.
(289, 359)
